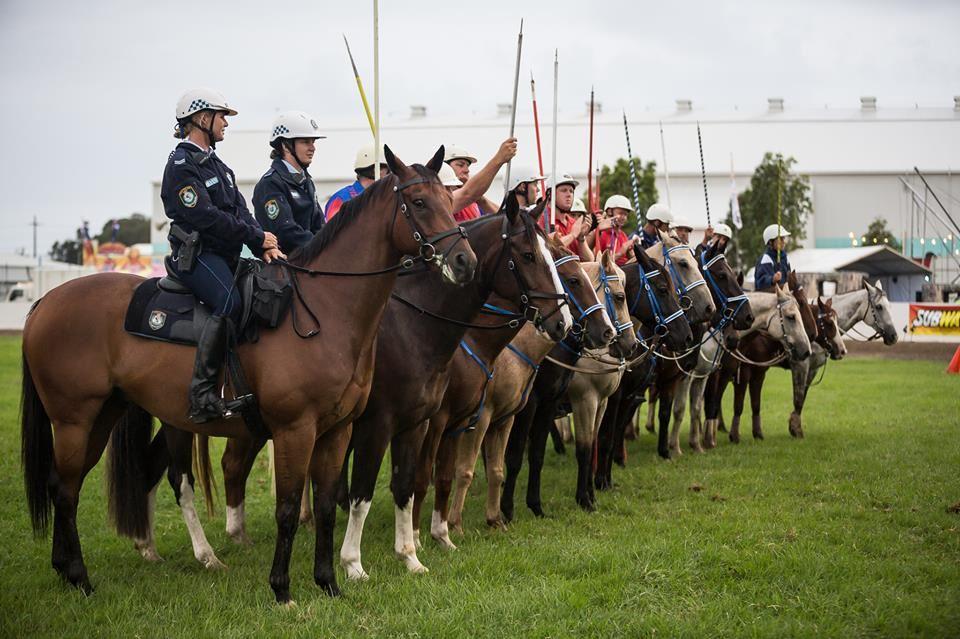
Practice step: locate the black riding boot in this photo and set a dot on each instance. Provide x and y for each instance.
(205, 400)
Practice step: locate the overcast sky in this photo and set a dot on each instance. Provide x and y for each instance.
(89, 88)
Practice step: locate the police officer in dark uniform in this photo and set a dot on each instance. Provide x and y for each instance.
(772, 266)
(285, 198)
(210, 223)
(659, 218)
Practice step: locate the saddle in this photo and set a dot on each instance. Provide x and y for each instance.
(165, 309)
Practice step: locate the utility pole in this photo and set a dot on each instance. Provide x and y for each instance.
(35, 224)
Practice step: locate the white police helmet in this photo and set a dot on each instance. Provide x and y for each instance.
(578, 206)
(457, 153)
(196, 100)
(292, 125)
(365, 157)
(659, 211)
(522, 175)
(681, 222)
(722, 229)
(773, 231)
(617, 202)
(448, 177)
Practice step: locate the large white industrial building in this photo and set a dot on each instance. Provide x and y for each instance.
(857, 160)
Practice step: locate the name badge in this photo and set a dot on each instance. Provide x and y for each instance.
(295, 194)
(212, 181)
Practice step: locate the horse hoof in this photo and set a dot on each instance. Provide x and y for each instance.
(212, 563)
(445, 544)
(734, 438)
(587, 505)
(651, 429)
(413, 564)
(329, 588)
(497, 524)
(288, 604)
(242, 539)
(149, 553)
(537, 510)
(696, 447)
(354, 570)
(758, 435)
(676, 451)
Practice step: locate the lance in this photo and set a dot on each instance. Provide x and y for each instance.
(513, 109)
(363, 95)
(536, 129)
(553, 166)
(703, 173)
(376, 89)
(590, 203)
(633, 168)
(666, 171)
(779, 211)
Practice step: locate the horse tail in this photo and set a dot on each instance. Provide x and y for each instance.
(36, 453)
(203, 472)
(128, 484)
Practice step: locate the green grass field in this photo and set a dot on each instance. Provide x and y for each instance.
(846, 533)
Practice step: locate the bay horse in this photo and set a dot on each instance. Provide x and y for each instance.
(868, 305)
(653, 300)
(82, 375)
(776, 314)
(504, 394)
(760, 347)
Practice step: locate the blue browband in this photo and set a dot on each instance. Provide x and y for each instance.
(682, 289)
(573, 300)
(724, 300)
(608, 298)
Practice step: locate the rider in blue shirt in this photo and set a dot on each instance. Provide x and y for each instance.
(658, 218)
(285, 198)
(200, 195)
(363, 165)
(768, 270)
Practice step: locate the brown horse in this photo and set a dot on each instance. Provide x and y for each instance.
(82, 372)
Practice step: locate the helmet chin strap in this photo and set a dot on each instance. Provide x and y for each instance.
(290, 146)
(211, 140)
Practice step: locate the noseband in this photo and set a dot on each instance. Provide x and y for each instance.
(428, 251)
(728, 312)
(663, 322)
(605, 280)
(682, 289)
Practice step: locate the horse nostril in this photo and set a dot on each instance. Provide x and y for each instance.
(460, 259)
(689, 340)
(608, 335)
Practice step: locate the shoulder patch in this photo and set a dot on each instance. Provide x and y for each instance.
(188, 197)
(272, 209)
(766, 259)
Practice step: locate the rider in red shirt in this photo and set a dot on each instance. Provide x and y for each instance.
(609, 234)
(569, 227)
(476, 187)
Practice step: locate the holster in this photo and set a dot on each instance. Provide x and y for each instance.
(190, 248)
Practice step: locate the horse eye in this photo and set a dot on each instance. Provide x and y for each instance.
(573, 282)
(791, 318)
(418, 203)
(722, 277)
(620, 297)
(528, 256)
(684, 265)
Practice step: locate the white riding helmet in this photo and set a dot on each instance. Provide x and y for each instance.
(774, 231)
(722, 229)
(292, 125)
(458, 153)
(365, 157)
(659, 211)
(523, 175)
(680, 222)
(617, 202)
(566, 178)
(448, 177)
(578, 206)
(196, 100)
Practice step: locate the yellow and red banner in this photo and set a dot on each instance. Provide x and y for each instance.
(935, 319)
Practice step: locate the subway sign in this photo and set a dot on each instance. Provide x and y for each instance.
(935, 319)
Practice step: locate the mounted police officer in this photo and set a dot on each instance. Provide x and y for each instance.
(770, 270)
(285, 198)
(210, 223)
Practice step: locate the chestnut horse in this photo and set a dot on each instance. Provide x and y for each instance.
(82, 373)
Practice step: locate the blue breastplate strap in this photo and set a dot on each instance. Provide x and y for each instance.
(488, 372)
(529, 362)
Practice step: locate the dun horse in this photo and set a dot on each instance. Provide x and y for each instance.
(83, 374)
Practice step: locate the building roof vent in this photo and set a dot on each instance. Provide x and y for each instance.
(956, 103)
(868, 103)
(775, 105)
(504, 109)
(417, 111)
(684, 106)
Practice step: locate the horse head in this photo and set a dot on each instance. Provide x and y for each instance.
(728, 295)
(426, 206)
(590, 315)
(877, 313)
(806, 313)
(829, 330)
(678, 259)
(653, 300)
(786, 324)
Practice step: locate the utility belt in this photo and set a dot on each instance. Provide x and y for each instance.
(190, 248)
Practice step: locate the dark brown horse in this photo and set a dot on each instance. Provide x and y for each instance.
(83, 373)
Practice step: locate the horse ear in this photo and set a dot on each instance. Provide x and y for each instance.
(829, 304)
(879, 285)
(867, 284)
(437, 160)
(663, 236)
(396, 165)
(740, 278)
(606, 259)
(537, 210)
(792, 279)
(511, 207)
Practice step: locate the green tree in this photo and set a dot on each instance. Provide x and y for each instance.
(616, 180)
(70, 251)
(878, 233)
(758, 208)
(133, 230)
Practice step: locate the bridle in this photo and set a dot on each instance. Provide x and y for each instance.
(822, 338)
(579, 322)
(728, 312)
(662, 328)
(605, 280)
(682, 289)
(877, 333)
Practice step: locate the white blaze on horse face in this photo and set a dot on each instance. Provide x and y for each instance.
(557, 286)
(350, 550)
(201, 547)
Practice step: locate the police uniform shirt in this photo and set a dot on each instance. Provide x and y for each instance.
(199, 192)
(285, 203)
(767, 266)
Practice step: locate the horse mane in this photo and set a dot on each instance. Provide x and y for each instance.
(348, 214)
(530, 228)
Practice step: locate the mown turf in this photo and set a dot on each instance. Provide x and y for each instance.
(845, 533)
